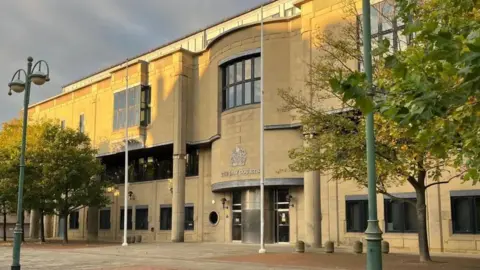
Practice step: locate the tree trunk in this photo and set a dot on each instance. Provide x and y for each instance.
(42, 227)
(23, 227)
(65, 230)
(4, 226)
(422, 226)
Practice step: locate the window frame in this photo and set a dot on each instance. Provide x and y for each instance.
(364, 214)
(100, 223)
(144, 220)
(168, 225)
(74, 219)
(192, 220)
(387, 202)
(474, 226)
(226, 85)
(129, 218)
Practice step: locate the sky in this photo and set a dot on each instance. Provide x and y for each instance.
(80, 37)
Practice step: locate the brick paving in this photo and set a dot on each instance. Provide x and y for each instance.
(181, 256)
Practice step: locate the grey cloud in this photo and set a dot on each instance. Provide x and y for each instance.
(78, 38)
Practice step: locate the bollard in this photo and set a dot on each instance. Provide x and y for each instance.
(357, 247)
(329, 247)
(129, 239)
(300, 247)
(138, 238)
(385, 247)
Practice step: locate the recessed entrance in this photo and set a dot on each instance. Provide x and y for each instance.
(282, 216)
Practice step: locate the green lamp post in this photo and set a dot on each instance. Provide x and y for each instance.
(17, 85)
(373, 234)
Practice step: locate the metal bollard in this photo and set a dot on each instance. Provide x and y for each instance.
(300, 247)
(385, 247)
(357, 247)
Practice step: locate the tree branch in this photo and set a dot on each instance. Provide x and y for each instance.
(396, 198)
(446, 181)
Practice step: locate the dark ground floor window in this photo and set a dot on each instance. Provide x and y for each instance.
(129, 219)
(400, 216)
(141, 218)
(356, 215)
(104, 219)
(466, 214)
(166, 218)
(73, 220)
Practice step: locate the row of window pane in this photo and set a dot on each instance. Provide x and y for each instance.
(241, 83)
(400, 216)
(139, 110)
(141, 219)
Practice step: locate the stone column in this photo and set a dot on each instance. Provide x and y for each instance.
(34, 224)
(179, 152)
(311, 194)
(92, 227)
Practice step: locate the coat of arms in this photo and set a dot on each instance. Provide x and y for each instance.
(239, 157)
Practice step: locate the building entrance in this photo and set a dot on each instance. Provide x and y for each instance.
(282, 216)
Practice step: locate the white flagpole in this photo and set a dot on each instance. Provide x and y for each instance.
(125, 213)
(262, 180)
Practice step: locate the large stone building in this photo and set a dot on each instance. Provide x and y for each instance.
(194, 144)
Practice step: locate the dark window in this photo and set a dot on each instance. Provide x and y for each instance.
(192, 161)
(119, 110)
(145, 107)
(400, 216)
(466, 214)
(241, 82)
(357, 215)
(62, 124)
(141, 219)
(105, 219)
(165, 218)
(237, 200)
(129, 219)
(189, 218)
(74, 220)
(81, 123)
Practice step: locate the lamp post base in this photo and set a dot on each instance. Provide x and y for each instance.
(262, 251)
(17, 267)
(373, 235)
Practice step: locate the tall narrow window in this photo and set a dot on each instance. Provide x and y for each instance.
(73, 220)
(104, 219)
(129, 219)
(145, 109)
(141, 218)
(81, 123)
(356, 215)
(189, 218)
(165, 218)
(241, 82)
(62, 124)
(192, 161)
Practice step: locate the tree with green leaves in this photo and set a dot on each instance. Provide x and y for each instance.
(70, 171)
(414, 154)
(7, 202)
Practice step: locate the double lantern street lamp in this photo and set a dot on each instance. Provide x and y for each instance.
(18, 85)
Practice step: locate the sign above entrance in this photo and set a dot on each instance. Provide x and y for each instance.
(239, 159)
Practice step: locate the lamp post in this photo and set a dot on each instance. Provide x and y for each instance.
(373, 234)
(18, 86)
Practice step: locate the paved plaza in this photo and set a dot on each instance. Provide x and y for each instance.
(163, 256)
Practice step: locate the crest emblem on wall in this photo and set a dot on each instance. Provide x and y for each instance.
(239, 157)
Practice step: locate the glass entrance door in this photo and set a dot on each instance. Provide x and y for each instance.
(282, 216)
(237, 216)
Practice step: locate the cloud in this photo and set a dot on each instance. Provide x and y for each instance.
(78, 38)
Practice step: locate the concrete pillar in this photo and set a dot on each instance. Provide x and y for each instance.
(34, 224)
(179, 152)
(92, 226)
(311, 194)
